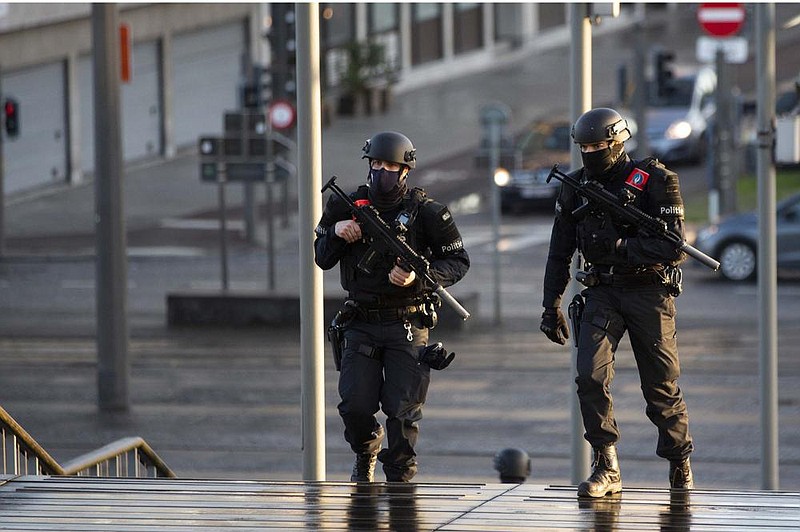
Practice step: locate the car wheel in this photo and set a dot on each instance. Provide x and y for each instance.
(737, 261)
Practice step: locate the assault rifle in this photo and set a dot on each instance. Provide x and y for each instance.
(385, 240)
(622, 208)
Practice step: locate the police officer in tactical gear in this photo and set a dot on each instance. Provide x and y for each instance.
(631, 280)
(389, 307)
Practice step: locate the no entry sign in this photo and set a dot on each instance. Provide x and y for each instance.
(281, 114)
(722, 19)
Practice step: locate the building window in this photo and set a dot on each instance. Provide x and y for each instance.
(382, 18)
(337, 24)
(383, 27)
(467, 27)
(552, 16)
(426, 33)
(337, 29)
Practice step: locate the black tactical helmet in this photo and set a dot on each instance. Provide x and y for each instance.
(598, 125)
(392, 147)
(513, 464)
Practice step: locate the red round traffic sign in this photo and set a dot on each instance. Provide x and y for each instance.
(281, 114)
(722, 19)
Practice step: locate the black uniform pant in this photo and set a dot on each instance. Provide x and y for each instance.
(648, 314)
(390, 379)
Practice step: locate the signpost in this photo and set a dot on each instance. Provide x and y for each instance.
(494, 118)
(733, 49)
(721, 22)
(281, 114)
(721, 19)
(248, 153)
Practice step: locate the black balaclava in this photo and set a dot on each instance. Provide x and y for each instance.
(386, 189)
(603, 161)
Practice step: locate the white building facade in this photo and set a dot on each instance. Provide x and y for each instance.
(190, 59)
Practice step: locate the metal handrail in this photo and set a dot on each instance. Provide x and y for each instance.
(127, 457)
(130, 457)
(21, 452)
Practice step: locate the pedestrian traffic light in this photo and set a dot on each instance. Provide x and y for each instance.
(283, 46)
(256, 90)
(11, 112)
(664, 75)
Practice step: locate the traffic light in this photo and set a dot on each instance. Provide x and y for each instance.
(664, 75)
(256, 90)
(251, 95)
(283, 46)
(11, 112)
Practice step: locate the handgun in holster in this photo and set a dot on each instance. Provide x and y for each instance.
(673, 280)
(575, 313)
(336, 330)
(428, 316)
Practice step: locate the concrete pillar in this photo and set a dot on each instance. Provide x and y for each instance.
(488, 26)
(362, 21)
(448, 44)
(529, 21)
(405, 39)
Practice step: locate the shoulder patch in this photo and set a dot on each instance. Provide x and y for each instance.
(637, 179)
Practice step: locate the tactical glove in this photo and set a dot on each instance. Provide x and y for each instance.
(436, 356)
(554, 325)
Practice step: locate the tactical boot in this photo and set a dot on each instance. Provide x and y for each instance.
(364, 468)
(605, 477)
(680, 474)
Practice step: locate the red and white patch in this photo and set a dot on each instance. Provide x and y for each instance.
(637, 179)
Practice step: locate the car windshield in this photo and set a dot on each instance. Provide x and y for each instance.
(792, 203)
(678, 94)
(546, 136)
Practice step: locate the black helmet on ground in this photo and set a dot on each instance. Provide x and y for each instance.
(514, 465)
(599, 125)
(392, 147)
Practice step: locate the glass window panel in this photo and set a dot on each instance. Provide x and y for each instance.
(383, 17)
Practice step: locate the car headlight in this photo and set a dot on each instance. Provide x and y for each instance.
(679, 130)
(501, 177)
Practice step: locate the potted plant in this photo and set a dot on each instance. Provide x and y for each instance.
(365, 77)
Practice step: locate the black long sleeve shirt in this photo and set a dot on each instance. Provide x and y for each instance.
(659, 196)
(433, 234)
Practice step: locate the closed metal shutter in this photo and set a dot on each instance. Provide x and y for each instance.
(39, 155)
(140, 102)
(206, 70)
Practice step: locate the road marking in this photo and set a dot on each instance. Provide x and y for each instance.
(86, 284)
(201, 225)
(166, 251)
(469, 204)
(515, 244)
(441, 176)
(520, 238)
(233, 285)
(783, 290)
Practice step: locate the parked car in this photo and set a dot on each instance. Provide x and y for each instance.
(733, 241)
(678, 121)
(544, 144)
